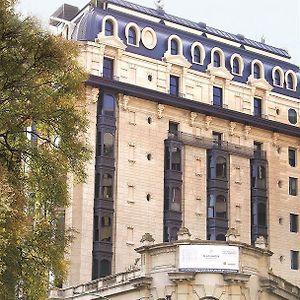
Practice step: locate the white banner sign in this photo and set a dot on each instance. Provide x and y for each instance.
(208, 258)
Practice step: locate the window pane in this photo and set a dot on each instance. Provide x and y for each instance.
(104, 267)
(176, 159)
(292, 157)
(257, 107)
(107, 186)
(109, 28)
(221, 207)
(277, 77)
(221, 167)
(173, 127)
(256, 71)
(131, 36)
(174, 85)
(176, 199)
(292, 116)
(217, 59)
(290, 82)
(108, 65)
(292, 186)
(293, 223)
(174, 47)
(108, 105)
(197, 55)
(236, 66)
(217, 96)
(262, 215)
(294, 260)
(108, 144)
(105, 229)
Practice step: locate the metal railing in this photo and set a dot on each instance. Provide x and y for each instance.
(209, 143)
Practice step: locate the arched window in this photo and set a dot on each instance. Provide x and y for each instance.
(236, 66)
(262, 214)
(174, 47)
(217, 59)
(277, 78)
(176, 199)
(105, 231)
(132, 36)
(107, 186)
(197, 55)
(290, 82)
(221, 167)
(292, 116)
(108, 144)
(104, 267)
(109, 28)
(221, 207)
(256, 71)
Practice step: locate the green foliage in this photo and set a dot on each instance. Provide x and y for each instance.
(42, 95)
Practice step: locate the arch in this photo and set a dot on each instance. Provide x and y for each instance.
(133, 34)
(217, 57)
(197, 53)
(110, 20)
(108, 144)
(221, 167)
(176, 40)
(237, 64)
(257, 69)
(291, 80)
(277, 76)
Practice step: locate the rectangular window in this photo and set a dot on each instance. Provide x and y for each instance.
(174, 85)
(293, 182)
(108, 68)
(218, 96)
(293, 223)
(294, 260)
(173, 127)
(217, 139)
(292, 157)
(257, 107)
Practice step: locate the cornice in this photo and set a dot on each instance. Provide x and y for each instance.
(191, 105)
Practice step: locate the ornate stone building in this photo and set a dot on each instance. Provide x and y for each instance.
(193, 190)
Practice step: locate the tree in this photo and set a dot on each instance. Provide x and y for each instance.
(42, 140)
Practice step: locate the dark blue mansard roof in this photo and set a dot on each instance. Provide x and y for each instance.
(90, 23)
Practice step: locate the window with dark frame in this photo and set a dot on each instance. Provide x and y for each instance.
(217, 59)
(217, 96)
(221, 167)
(277, 78)
(108, 68)
(236, 66)
(217, 138)
(197, 55)
(292, 116)
(294, 260)
(292, 157)
(261, 214)
(290, 82)
(109, 28)
(174, 47)
(294, 223)
(256, 71)
(257, 107)
(293, 182)
(221, 207)
(132, 36)
(174, 85)
(173, 127)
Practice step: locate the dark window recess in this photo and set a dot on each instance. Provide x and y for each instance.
(108, 106)
(132, 36)
(256, 71)
(262, 214)
(257, 146)
(173, 127)
(107, 189)
(221, 207)
(290, 82)
(236, 66)
(217, 138)
(277, 78)
(257, 107)
(105, 268)
(174, 47)
(96, 228)
(97, 185)
(109, 28)
(218, 96)
(95, 268)
(174, 85)
(221, 237)
(108, 144)
(175, 199)
(197, 55)
(221, 169)
(217, 59)
(106, 229)
(108, 67)
(292, 157)
(293, 182)
(176, 159)
(292, 116)
(294, 260)
(294, 223)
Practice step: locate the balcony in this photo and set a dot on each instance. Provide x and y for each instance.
(208, 143)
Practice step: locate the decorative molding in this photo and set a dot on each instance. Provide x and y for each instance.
(208, 120)
(193, 117)
(232, 126)
(275, 139)
(220, 72)
(247, 130)
(92, 94)
(125, 102)
(178, 60)
(160, 109)
(260, 83)
(181, 276)
(111, 41)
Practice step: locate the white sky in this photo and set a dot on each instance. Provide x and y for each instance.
(277, 20)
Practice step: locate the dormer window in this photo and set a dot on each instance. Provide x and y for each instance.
(131, 36)
(197, 55)
(236, 66)
(217, 59)
(174, 47)
(277, 80)
(290, 82)
(256, 71)
(109, 28)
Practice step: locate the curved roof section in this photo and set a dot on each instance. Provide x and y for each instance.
(202, 27)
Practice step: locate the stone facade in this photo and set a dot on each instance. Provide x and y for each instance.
(256, 216)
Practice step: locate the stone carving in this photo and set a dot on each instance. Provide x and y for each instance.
(160, 109)
(125, 102)
(147, 239)
(275, 139)
(232, 126)
(183, 234)
(247, 130)
(208, 120)
(193, 116)
(92, 94)
(232, 235)
(260, 242)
